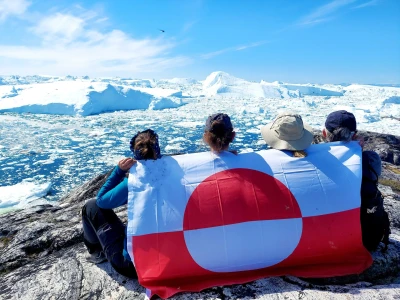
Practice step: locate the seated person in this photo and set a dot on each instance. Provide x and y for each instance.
(103, 232)
(341, 126)
(288, 132)
(219, 133)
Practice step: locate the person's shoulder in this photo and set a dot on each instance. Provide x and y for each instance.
(371, 158)
(371, 165)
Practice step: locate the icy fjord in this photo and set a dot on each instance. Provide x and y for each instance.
(58, 132)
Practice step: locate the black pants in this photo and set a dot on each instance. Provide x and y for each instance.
(103, 230)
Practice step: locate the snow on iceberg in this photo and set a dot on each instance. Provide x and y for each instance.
(218, 83)
(182, 81)
(71, 95)
(16, 79)
(22, 193)
(221, 78)
(306, 90)
(373, 92)
(84, 98)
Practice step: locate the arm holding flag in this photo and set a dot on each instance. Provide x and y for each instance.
(114, 192)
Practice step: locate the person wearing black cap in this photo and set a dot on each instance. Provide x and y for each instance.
(341, 126)
(219, 133)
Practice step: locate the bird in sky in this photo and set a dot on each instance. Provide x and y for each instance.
(162, 30)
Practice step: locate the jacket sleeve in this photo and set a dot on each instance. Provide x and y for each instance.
(114, 191)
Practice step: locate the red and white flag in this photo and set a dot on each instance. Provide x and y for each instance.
(202, 220)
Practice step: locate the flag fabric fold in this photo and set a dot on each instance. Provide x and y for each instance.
(202, 220)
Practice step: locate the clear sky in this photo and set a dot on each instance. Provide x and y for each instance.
(321, 41)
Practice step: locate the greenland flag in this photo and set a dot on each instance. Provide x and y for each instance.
(202, 220)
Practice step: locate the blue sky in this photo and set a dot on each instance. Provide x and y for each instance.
(322, 41)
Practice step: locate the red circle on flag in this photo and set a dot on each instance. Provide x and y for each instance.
(240, 220)
(239, 195)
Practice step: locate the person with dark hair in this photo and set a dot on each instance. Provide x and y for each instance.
(288, 132)
(219, 133)
(341, 126)
(144, 145)
(104, 234)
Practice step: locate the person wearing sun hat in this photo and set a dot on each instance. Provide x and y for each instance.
(288, 132)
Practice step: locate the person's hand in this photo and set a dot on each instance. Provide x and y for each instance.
(126, 163)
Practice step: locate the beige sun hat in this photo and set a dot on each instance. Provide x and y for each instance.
(287, 132)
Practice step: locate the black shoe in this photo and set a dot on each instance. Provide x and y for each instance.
(97, 257)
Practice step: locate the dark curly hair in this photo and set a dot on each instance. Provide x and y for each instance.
(219, 137)
(144, 145)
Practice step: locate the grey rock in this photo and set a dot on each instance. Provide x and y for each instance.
(392, 206)
(386, 145)
(66, 274)
(42, 256)
(390, 172)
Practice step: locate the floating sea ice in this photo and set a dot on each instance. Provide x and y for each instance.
(7, 168)
(62, 151)
(22, 193)
(99, 132)
(246, 150)
(189, 124)
(174, 147)
(176, 140)
(260, 142)
(255, 130)
(44, 162)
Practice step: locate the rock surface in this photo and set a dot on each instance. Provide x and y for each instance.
(386, 145)
(42, 256)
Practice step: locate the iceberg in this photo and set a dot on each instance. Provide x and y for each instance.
(81, 97)
(22, 193)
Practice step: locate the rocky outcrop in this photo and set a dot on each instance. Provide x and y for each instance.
(386, 145)
(42, 257)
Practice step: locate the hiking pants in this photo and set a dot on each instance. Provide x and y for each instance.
(103, 230)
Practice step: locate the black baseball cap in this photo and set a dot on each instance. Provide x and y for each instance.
(340, 118)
